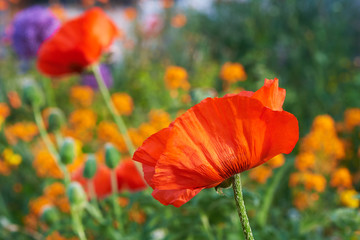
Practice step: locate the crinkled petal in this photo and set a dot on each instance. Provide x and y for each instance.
(271, 95)
(220, 137)
(176, 198)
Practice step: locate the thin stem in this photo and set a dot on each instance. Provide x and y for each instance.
(240, 205)
(114, 187)
(206, 225)
(45, 137)
(117, 118)
(77, 225)
(269, 195)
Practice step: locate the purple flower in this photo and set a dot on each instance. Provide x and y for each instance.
(31, 27)
(88, 79)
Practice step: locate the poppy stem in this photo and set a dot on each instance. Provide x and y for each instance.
(240, 205)
(45, 137)
(117, 118)
(116, 206)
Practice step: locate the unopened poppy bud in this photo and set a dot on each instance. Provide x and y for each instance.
(76, 195)
(56, 120)
(112, 156)
(32, 95)
(50, 215)
(90, 167)
(67, 151)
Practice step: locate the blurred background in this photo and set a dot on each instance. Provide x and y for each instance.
(220, 47)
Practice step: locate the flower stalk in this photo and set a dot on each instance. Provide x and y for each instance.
(117, 118)
(240, 205)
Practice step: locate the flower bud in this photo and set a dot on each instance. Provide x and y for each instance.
(76, 195)
(32, 95)
(67, 151)
(56, 120)
(112, 156)
(90, 167)
(50, 215)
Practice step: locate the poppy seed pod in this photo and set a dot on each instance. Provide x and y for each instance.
(112, 156)
(76, 195)
(67, 151)
(90, 167)
(56, 120)
(32, 95)
(50, 215)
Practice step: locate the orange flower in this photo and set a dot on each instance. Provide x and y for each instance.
(232, 72)
(130, 13)
(4, 110)
(260, 173)
(126, 173)
(352, 118)
(167, 3)
(214, 140)
(77, 44)
(83, 119)
(45, 165)
(123, 103)
(277, 161)
(82, 95)
(108, 132)
(176, 77)
(341, 178)
(178, 21)
(305, 161)
(24, 131)
(14, 99)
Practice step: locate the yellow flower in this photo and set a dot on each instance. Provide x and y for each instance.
(83, 119)
(82, 95)
(352, 118)
(348, 198)
(123, 103)
(11, 158)
(276, 161)
(232, 72)
(260, 173)
(341, 178)
(176, 77)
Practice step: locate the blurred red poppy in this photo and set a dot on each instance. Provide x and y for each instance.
(126, 174)
(77, 44)
(214, 140)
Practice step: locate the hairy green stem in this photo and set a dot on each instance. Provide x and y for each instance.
(240, 205)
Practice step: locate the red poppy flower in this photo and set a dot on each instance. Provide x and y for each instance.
(77, 44)
(126, 174)
(214, 140)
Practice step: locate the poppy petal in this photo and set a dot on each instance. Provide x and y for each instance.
(220, 137)
(271, 95)
(77, 44)
(176, 198)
